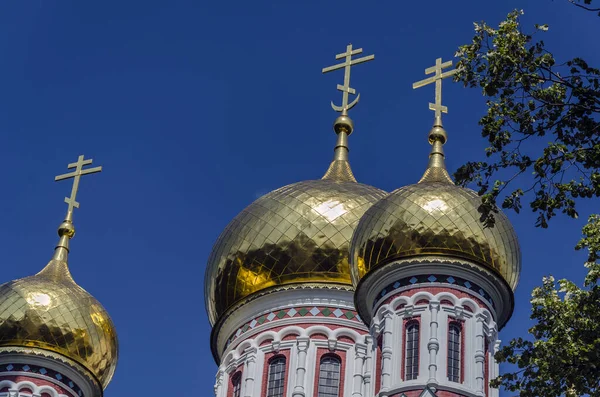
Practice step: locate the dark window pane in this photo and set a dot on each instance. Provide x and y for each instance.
(276, 377)
(237, 384)
(329, 377)
(454, 352)
(412, 351)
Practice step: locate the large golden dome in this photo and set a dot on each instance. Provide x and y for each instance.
(51, 312)
(299, 233)
(434, 217)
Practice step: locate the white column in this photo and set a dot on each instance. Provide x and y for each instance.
(479, 354)
(249, 371)
(386, 351)
(494, 367)
(360, 352)
(368, 364)
(219, 383)
(433, 345)
(302, 344)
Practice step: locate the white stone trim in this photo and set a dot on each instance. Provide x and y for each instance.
(87, 388)
(14, 388)
(302, 344)
(478, 327)
(281, 300)
(302, 359)
(381, 278)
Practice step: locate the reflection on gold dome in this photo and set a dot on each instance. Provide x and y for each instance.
(296, 234)
(38, 299)
(51, 312)
(434, 217)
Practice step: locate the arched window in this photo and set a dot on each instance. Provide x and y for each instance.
(329, 377)
(412, 351)
(236, 385)
(276, 378)
(454, 352)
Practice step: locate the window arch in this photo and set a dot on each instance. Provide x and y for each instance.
(412, 351)
(329, 376)
(236, 384)
(276, 377)
(454, 351)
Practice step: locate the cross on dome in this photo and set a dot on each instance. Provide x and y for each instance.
(437, 107)
(77, 174)
(346, 89)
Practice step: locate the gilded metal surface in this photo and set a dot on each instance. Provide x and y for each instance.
(437, 78)
(433, 217)
(340, 170)
(51, 312)
(299, 233)
(77, 174)
(347, 64)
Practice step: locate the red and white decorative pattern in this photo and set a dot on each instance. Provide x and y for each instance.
(295, 312)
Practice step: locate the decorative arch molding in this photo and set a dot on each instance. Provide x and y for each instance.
(436, 308)
(301, 343)
(403, 304)
(277, 336)
(35, 389)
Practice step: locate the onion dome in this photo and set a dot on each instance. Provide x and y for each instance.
(295, 236)
(49, 315)
(434, 217)
(49, 311)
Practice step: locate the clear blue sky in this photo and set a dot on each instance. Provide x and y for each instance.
(197, 108)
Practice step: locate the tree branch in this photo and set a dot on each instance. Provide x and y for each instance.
(584, 7)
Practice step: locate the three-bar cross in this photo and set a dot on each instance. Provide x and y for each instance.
(79, 171)
(437, 78)
(347, 64)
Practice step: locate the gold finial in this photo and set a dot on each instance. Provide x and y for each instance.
(436, 170)
(66, 230)
(343, 125)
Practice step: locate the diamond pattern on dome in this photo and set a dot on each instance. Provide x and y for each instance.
(299, 233)
(437, 219)
(59, 316)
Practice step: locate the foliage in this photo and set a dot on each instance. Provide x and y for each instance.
(543, 119)
(530, 98)
(585, 4)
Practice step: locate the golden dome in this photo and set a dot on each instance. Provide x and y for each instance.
(434, 217)
(50, 311)
(299, 233)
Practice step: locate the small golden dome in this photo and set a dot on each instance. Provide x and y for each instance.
(50, 311)
(299, 233)
(434, 217)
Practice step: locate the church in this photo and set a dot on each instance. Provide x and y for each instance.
(333, 288)
(322, 288)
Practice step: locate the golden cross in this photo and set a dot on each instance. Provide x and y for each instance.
(77, 175)
(437, 69)
(347, 64)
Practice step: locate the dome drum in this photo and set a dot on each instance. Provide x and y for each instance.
(263, 302)
(83, 381)
(423, 271)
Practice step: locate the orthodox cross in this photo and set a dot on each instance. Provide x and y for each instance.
(437, 69)
(79, 171)
(346, 89)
